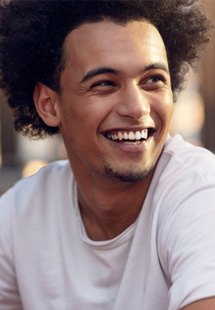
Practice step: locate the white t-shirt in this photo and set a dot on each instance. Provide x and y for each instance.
(164, 261)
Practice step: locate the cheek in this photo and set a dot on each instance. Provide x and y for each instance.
(82, 119)
(96, 110)
(163, 107)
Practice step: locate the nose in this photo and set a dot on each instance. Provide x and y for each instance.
(133, 102)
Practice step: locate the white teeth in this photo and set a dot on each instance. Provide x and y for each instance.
(144, 133)
(125, 136)
(137, 135)
(130, 136)
(115, 137)
(120, 136)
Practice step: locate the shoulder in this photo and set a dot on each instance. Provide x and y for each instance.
(186, 179)
(50, 173)
(187, 157)
(186, 195)
(184, 168)
(45, 185)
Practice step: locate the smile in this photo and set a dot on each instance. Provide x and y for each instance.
(130, 136)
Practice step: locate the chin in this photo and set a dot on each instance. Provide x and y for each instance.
(127, 175)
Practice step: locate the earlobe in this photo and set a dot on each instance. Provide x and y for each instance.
(46, 103)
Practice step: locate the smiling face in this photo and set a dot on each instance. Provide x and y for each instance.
(116, 102)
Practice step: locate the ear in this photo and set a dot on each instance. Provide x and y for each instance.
(46, 103)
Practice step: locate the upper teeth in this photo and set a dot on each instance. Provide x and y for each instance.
(130, 135)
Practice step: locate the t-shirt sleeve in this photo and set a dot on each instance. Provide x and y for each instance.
(187, 245)
(9, 297)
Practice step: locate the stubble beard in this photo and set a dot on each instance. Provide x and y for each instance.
(131, 174)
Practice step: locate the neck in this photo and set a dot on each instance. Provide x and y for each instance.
(108, 208)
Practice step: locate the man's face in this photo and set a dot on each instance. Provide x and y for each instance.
(116, 101)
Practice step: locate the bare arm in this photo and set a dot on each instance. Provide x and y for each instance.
(204, 304)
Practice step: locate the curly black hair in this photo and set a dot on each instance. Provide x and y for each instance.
(32, 34)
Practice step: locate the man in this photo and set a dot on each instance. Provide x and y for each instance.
(128, 221)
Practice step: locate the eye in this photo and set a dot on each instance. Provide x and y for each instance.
(103, 83)
(103, 87)
(154, 82)
(155, 78)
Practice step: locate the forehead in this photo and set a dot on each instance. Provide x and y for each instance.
(111, 44)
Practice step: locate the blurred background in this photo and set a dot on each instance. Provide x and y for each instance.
(194, 119)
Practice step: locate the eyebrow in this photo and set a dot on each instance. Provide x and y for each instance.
(157, 65)
(98, 71)
(104, 70)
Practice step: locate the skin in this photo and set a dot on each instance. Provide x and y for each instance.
(131, 94)
(204, 304)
